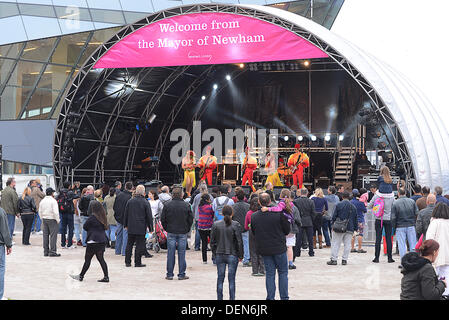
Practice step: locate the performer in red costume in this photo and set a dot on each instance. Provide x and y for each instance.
(297, 162)
(207, 165)
(248, 167)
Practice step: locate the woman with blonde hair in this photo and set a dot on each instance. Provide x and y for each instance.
(321, 207)
(98, 194)
(27, 209)
(384, 181)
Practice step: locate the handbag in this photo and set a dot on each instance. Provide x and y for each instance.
(341, 225)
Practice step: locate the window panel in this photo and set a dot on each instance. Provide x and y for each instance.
(10, 103)
(38, 49)
(47, 2)
(107, 16)
(132, 17)
(41, 27)
(15, 30)
(73, 13)
(11, 50)
(69, 48)
(68, 3)
(104, 4)
(137, 5)
(5, 69)
(8, 10)
(36, 10)
(40, 100)
(54, 77)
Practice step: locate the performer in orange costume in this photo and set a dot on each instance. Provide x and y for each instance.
(207, 162)
(249, 165)
(297, 162)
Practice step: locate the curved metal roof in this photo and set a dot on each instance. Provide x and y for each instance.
(421, 126)
(415, 131)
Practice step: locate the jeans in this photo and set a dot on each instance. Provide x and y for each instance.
(121, 240)
(327, 231)
(36, 226)
(176, 242)
(27, 221)
(197, 237)
(76, 227)
(272, 263)
(337, 240)
(11, 223)
(2, 269)
(246, 253)
(67, 221)
(223, 260)
(110, 233)
(60, 223)
(83, 232)
(386, 226)
(403, 234)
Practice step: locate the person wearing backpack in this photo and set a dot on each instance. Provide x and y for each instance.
(66, 211)
(380, 206)
(343, 229)
(221, 201)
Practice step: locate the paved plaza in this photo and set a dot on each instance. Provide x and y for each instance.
(30, 275)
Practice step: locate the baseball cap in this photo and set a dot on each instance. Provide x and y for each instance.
(49, 191)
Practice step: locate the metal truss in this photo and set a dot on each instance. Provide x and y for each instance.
(389, 125)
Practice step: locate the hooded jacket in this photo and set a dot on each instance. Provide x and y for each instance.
(420, 281)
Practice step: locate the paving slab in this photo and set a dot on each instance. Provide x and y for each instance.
(30, 275)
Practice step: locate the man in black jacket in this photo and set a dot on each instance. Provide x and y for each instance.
(270, 229)
(241, 208)
(176, 219)
(306, 209)
(119, 211)
(136, 220)
(66, 213)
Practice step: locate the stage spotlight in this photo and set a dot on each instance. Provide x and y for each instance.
(327, 138)
(313, 138)
(137, 127)
(215, 86)
(285, 138)
(341, 137)
(241, 66)
(300, 138)
(228, 77)
(306, 63)
(203, 98)
(153, 116)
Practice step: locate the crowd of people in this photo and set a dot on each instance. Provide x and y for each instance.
(256, 230)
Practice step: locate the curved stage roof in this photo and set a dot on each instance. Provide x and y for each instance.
(415, 130)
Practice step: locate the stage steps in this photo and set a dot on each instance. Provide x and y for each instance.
(343, 168)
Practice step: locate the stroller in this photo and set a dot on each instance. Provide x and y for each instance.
(158, 239)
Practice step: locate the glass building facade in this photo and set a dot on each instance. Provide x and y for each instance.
(45, 42)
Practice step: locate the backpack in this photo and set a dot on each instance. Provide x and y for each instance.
(65, 205)
(378, 209)
(219, 210)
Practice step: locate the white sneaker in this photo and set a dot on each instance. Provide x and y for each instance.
(71, 247)
(13, 243)
(63, 247)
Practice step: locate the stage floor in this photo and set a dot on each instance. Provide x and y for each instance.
(30, 275)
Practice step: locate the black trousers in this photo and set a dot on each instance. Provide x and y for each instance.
(257, 263)
(204, 235)
(386, 225)
(310, 233)
(94, 249)
(139, 240)
(317, 224)
(27, 221)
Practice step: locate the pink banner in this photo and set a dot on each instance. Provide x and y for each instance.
(207, 38)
